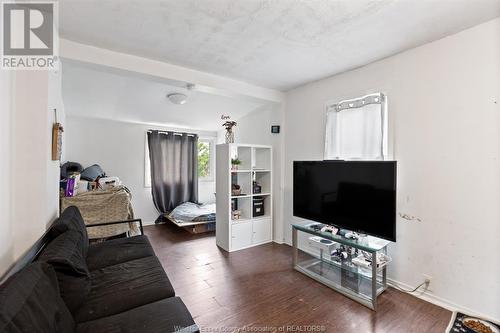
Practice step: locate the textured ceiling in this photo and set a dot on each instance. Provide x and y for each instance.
(130, 98)
(277, 44)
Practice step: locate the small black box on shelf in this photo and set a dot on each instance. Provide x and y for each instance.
(258, 206)
(257, 188)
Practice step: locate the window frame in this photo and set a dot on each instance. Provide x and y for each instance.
(211, 163)
(147, 164)
(345, 104)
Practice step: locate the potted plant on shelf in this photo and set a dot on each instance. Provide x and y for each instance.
(234, 163)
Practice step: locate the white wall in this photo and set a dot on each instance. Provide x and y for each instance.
(119, 148)
(29, 194)
(6, 242)
(444, 108)
(35, 177)
(255, 128)
(54, 101)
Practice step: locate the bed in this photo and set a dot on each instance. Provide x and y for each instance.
(195, 218)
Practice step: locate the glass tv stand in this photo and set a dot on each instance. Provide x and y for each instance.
(362, 283)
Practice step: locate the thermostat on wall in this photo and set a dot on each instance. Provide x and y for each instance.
(275, 129)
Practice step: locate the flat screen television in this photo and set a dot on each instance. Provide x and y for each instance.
(359, 196)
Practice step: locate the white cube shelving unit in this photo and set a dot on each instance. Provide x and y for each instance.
(256, 164)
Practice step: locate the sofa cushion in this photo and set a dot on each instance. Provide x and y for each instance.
(71, 219)
(30, 302)
(117, 251)
(167, 315)
(124, 286)
(65, 254)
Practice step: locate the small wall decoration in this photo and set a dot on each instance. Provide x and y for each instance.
(275, 129)
(57, 131)
(228, 125)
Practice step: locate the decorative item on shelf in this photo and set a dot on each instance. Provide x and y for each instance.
(228, 125)
(258, 206)
(234, 204)
(257, 188)
(234, 163)
(236, 214)
(235, 189)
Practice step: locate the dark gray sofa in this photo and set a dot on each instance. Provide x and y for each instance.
(114, 286)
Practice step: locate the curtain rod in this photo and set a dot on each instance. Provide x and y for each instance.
(173, 132)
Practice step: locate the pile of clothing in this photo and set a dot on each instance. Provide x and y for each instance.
(75, 179)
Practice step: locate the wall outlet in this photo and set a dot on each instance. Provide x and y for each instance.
(427, 280)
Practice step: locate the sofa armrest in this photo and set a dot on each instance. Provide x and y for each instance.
(100, 224)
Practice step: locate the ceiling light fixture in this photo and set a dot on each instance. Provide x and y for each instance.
(177, 98)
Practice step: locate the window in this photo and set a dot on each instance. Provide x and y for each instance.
(206, 159)
(357, 129)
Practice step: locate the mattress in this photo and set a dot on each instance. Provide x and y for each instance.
(190, 213)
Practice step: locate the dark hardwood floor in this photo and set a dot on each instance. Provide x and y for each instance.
(257, 288)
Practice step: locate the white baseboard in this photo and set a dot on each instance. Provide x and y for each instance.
(431, 298)
(439, 301)
(145, 223)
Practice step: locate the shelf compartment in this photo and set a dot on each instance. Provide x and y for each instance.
(244, 205)
(262, 158)
(243, 179)
(244, 154)
(264, 180)
(351, 281)
(267, 207)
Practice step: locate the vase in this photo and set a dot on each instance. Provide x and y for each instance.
(229, 136)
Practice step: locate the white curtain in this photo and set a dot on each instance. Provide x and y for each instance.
(356, 129)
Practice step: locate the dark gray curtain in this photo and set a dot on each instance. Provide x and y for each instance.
(174, 169)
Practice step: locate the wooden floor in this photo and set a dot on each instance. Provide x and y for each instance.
(258, 288)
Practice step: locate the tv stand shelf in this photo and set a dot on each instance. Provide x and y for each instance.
(361, 284)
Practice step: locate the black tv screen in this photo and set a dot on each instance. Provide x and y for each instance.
(359, 196)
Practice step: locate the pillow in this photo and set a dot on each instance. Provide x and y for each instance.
(71, 219)
(65, 254)
(30, 302)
